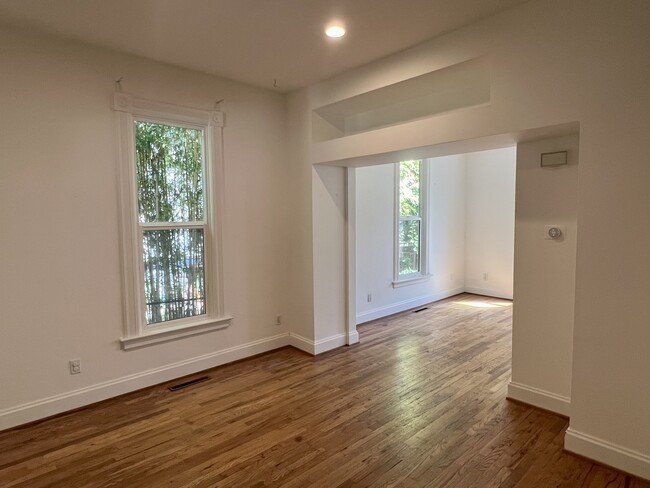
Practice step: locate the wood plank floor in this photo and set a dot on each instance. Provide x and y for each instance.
(419, 403)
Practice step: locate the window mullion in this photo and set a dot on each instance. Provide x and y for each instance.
(172, 225)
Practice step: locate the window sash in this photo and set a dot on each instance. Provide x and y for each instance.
(204, 160)
(403, 249)
(184, 284)
(162, 225)
(404, 189)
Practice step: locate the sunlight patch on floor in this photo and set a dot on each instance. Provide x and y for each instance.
(485, 304)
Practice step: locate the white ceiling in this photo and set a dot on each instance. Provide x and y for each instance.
(254, 41)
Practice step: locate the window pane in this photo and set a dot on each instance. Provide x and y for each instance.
(174, 274)
(170, 173)
(409, 188)
(409, 247)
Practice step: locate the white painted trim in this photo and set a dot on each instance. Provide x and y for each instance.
(329, 343)
(164, 334)
(129, 109)
(352, 338)
(351, 255)
(123, 102)
(302, 343)
(46, 407)
(411, 281)
(321, 345)
(608, 453)
(540, 398)
(387, 310)
(488, 293)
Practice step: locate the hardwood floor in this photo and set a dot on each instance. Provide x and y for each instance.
(419, 403)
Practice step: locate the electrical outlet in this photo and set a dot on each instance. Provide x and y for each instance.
(451, 277)
(485, 276)
(278, 320)
(75, 366)
(369, 297)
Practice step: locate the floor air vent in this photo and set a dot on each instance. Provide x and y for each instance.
(420, 309)
(193, 382)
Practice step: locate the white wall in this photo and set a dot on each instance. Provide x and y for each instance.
(60, 278)
(544, 276)
(447, 225)
(299, 274)
(375, 231)
(328, 188)
(471, 203)
(490, 220)
(552, 62)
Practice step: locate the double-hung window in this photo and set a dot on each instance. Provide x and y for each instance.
(170, 187)
(410, 222)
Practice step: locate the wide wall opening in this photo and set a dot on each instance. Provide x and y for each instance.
(431, 228)
(471, 217)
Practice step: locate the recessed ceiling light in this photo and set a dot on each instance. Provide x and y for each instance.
(335, 31)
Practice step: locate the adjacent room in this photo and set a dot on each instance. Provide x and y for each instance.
(433, 228)
(218, 219)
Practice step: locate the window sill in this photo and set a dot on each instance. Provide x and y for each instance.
(411, 281)
(171, 333)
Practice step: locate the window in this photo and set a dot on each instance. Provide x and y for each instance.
(170, 183)
(410, 222)
(171, 210)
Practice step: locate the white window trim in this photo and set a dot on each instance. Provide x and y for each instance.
(136, 332)
(423, 275)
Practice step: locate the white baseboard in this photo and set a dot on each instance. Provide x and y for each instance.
(56, 404)
(302, 343)
(488, 293)
(329, 343)
(387, 310)
(46, 407)
(352, 338)
(540, 398)
(608, 453)
(320, 346)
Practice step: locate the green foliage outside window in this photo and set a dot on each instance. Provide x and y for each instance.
(170, 173)
(409, 188)
(410, 223)
(169, 163)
